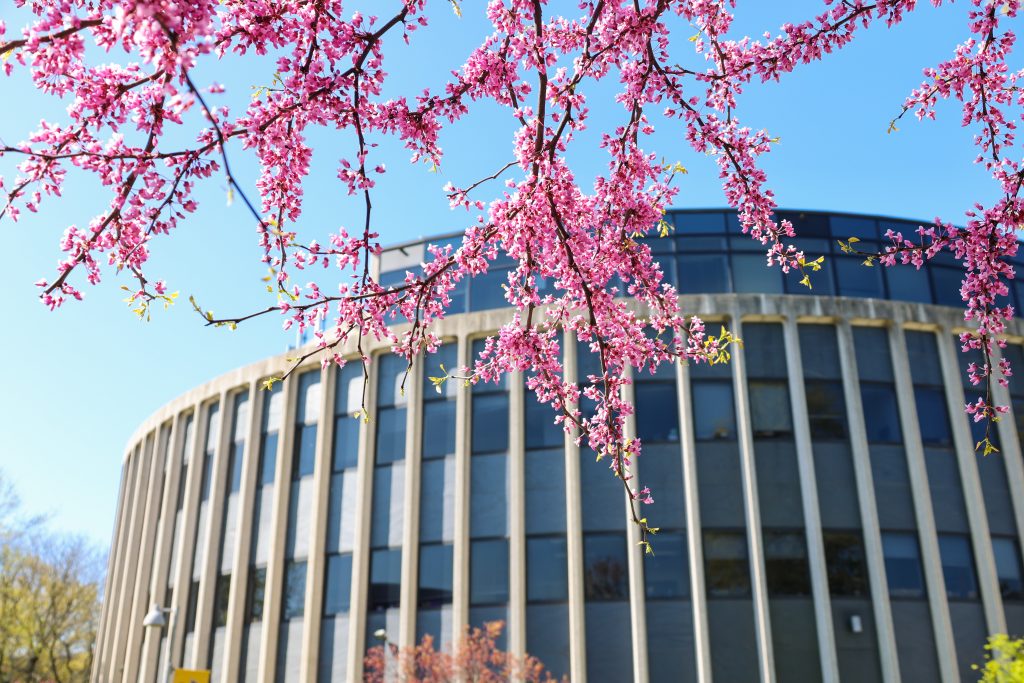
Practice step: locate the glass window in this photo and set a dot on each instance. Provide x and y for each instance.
(381, 507)
(702, 273)
(438, 429)
(713, 412)
(390, 434)
(657, 411)
(826, 410)
(819, 351)
(435, 584)
(946, 283)
(871, 348)
(1008, 568)
(488, 572)
(346, 442)
(220, 600)
(391, 374)
(698, 221)
(857, 279)
(806, 224)
(546, 569)
(958, 567)
(545, 488)
(752, 274)
(486, 291)
(666, 572)
(255, 594)
(490, 423)
(727, 574)
(235, 451)
(268, 459)
(764, 349)
(844, 562)
(385, 578)
(923, 353)
(903, 565)
(906, 283)
(436, 499)
(294, 602)
(338, 584)
(605, 567)
(881, 413)
(305, 451)
(785, 563)
(541, 430)
(207, 476)
(488, 496)
(932, 415)
(845, 227)
(193, 604)
(770, 414)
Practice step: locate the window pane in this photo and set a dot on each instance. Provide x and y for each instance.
(305, 451)
(268, 459)
(390, 434)
(220, 600)
(785, 563)
(546, 569)
(488, 572)
(844, 562)
(903, 565)
(932, 416)
(844, 227)
(881, 413)
(294, 602)
(657, 412)
(826, 410)
(819, 351)
(385, 578)
(486, 292)
(751, 273)
(908, 284)
(958, 567)
(338, 584)
(545, 486)
(1008, 568)
(256, 592)
(713, 413)
(857, 279)
(605, 566)
(770, 413)
(490, 423)
(488, 496)
(435, 584)
(702, 273)
(699, 221)
(666, 573)
(727, 573)
(438, 429)
(871, 347)
(541, 430)
(764, 350)
(346, 442)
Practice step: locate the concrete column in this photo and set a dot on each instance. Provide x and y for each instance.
(974, 499)
(574, 536)
(156, 449)
(694, 537)
(107, 654)
(131, 564)
(240, 559)
(411, 502)
(100, 661)
(187, 534)
(279, 529)
(203, 638)
(149, 661)
(931, 562)
(812, 512)
(635, 557)
(361, 545)
(460, 553)
(1009, 445)
(316, 563)
(868, 507)
(517, 516)
(751, 508)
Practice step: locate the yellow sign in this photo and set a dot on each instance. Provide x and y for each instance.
(191, 676)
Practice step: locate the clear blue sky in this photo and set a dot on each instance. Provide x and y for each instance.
(77, 382)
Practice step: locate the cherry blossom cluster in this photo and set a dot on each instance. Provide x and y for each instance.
(128, 68)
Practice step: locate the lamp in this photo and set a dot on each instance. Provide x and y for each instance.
(156, 619)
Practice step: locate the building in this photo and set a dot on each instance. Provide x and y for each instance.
(823, 513)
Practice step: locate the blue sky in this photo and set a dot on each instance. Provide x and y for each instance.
(79, 381)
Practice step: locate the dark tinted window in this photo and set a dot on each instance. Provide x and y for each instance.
(605, 567)
(844, 562)
(702, 273)
(488, 577)
(699, 221)
(438, 429)
(490, 423)
(657, 411)
(826, 410)
(390, 434)
(385, 578)
(294, 602)
(857, 279)
(727, 573)
(785, 563)
(932, 416)
(346, 442)
(751, 273)
(546, 569)
(713, 410)
(666, 572)
(255, 594)
(819, 351)
(337, 584)
(220, 600)
(435, 585)
(305, 451)
(1008, 568)
(958, 567)
(770, 413)
(268, 459)
(881, 412)
(903, 565)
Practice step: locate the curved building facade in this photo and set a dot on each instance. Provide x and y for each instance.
(823, 514)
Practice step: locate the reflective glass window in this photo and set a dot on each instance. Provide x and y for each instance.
(845, 227)
(1008, 568)
(903, 565)
(881, 412)
(764, 350)
(785, 563)
(488, 496)
(435, 583)
(390, 434)
(666, 573)
(699, 221)
(346, 442)
(255, 593)
(923, 354)
(826, 410)
(805, 223)
(546, 569)
(752, 274)
(726, 570)
(857, 279)
(819, 350)
(294, 600)
(305, 451)
(844, 562)
(268, 459)
(488, 572)
(871, 348)
(714, 415)
(545, 486)
(438, 429)
(946, 283)
(490, 423)
(337, 584)
(385, 578)
(933, 416)
(770, 414)
(220, 600)
(702, 273)
(657, 411)
(908, 284)
(486, 291)
(958, 567)
(605, 567)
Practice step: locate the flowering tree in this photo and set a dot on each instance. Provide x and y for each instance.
(476, 658)
(152, 131)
